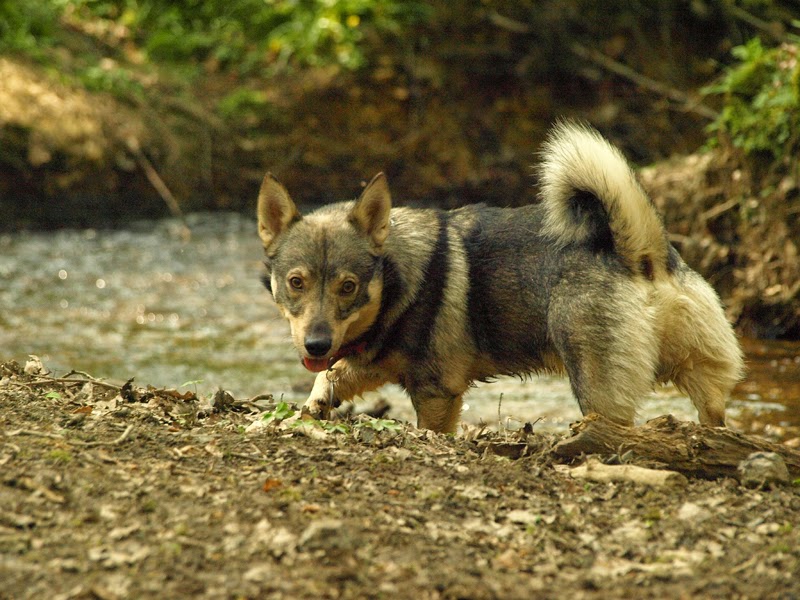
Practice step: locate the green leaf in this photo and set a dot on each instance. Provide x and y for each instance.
(282, 411)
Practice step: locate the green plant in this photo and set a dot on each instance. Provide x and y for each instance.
(249, 33)
(113, 79)
(28, 26)
(60, 457)
(282, 411)
(335, 427)
(761, 100)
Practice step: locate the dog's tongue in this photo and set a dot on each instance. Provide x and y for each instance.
(315, 365)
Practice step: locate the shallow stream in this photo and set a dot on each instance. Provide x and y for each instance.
(143, 303)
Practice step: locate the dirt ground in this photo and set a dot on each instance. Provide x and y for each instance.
(111, 492)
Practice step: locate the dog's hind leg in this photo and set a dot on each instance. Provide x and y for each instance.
(605, 336)
(709, 395)
(699, 350)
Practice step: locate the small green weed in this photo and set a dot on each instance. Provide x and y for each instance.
(282, 411)
(60, 457)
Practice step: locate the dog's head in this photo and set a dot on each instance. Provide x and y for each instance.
(325, 268)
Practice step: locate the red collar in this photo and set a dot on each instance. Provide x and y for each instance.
(351, 349)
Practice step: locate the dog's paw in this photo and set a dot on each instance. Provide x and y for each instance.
(317, 408)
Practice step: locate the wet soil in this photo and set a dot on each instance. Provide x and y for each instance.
(128, 492)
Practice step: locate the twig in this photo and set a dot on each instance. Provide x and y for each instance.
(643, 81)
(47, 380)
(32, 433)
(508, 23)
(774, 29)
(158, 183)
(81, 373)
(115, 442)
(608, 63)
(255, 398)
(717, 210)
(246, 456)
(56, 436)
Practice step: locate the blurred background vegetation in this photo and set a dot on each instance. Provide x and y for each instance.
(117, 109)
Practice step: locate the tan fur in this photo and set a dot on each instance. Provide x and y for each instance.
(344, 330)
(367, 314)
(275, 209)
(371, 211)
(452, 321)
(439, 414)
(576, 157)
(698, 350)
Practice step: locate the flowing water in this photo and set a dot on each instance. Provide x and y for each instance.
(143, 303)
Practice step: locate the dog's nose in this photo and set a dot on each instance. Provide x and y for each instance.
(318, 344)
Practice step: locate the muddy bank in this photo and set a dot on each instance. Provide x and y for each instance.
(164, 493)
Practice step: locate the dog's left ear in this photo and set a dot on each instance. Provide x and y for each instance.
(276, 211)
(371, 212)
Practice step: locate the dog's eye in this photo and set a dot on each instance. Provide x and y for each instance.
(296, 283)
(348, 287)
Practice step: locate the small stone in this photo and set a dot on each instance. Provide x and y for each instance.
(763, 468)
(523, 517)
(34, 366)
(692, 512)
(325, 534)
(260, 573)
(768, 529)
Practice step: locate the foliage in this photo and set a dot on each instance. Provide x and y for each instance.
(761, 94)
(282, 411)
(249, 34)
(26, 26)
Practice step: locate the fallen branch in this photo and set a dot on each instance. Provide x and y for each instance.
(608, 63)
(691, 449)
(595, 470)
(715, 211)
(158, 183)
(67, 380)
(56, 436)
(115, 442)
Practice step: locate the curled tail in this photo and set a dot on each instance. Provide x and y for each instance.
(591, 195)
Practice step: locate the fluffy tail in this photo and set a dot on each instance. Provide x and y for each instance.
(591, 195)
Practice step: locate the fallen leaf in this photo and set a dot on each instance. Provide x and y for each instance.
(271, 484)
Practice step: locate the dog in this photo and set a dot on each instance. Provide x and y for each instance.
(584, 282)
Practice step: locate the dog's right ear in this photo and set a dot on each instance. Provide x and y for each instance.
(276, 211)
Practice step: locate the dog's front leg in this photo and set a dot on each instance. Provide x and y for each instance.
(439, 414)
(341, 383)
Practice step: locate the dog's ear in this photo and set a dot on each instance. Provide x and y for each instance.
(371, 212)
(276, 211)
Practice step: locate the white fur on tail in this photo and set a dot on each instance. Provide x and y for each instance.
(577, 158)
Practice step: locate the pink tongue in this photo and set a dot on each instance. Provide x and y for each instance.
(315, 364)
